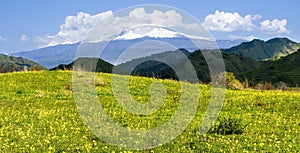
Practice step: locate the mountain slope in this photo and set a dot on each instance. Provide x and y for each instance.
(261, 50)
(152, 66)
(256, 49)
(52, 56)
(286, 69)
(12, 64)
(156, 37)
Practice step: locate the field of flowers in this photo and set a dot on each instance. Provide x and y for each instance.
(38, 114)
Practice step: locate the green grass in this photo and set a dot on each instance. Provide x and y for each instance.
(38, 114)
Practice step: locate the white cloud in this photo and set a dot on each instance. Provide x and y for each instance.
(24, 38)
(274, 27)
(3, 38)
(76, 27)
(248, 38)
(228, 22)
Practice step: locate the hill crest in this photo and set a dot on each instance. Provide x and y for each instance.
(13, 64)
(263, 50)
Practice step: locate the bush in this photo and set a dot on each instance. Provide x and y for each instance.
(232, 82)
(227, 126)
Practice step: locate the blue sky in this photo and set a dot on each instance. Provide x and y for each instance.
(24, 23)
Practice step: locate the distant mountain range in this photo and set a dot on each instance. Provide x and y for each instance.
(256, 60)
(50, 57)
(64, 54)
(13, 64)
(262, 50)
(154, 39)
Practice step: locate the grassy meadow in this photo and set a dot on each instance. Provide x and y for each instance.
(38, 114)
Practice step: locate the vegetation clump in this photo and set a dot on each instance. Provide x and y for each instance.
(232, 82)
(227, 126)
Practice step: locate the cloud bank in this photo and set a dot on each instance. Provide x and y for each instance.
(76, 27)
(230, 22)
(274, 27)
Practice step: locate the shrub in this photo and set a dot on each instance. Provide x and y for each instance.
(227, 126)
(232, 82)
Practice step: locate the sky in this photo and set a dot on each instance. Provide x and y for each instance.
(31, 24)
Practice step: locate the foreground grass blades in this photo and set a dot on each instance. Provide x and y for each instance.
(38, 114)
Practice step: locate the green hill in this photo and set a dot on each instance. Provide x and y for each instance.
(285, 69)
(261, 50)
(151, 66)
(87, 64)
(39, 114)
(13, 64)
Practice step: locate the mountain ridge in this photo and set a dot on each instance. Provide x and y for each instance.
(52, 56)
(286, 69)
(14, 64)
(151, 66)
(263, 50)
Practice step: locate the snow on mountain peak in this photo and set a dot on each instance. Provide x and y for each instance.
(153, 32)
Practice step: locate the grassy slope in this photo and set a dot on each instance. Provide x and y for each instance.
(38, 114)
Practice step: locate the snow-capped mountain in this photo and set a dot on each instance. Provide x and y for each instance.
(155, 32)
(146, 32)
(137, 42)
